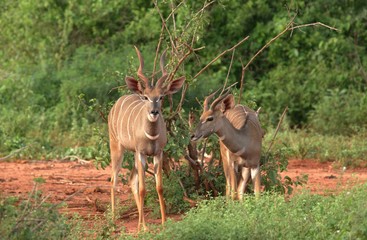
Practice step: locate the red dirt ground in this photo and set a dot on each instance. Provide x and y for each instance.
(86, 189)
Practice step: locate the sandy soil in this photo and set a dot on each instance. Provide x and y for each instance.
(86, 189)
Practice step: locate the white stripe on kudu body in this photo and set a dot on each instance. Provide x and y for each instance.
(131, 124)
(136, 124)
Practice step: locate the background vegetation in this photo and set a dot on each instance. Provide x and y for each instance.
(58, 56)
(63, 64)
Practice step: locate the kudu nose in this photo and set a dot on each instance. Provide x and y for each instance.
(154, 112)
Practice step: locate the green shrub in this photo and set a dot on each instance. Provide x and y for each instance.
(271, 217)
(343, 150)
(340, 112)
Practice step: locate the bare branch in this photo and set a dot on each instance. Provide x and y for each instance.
(229, 70)
(314, 24)
(173, 11)
(13, 153)
(268, 43)
(289, 27)
(183, 188)
(276, 132)
(183, 93)
(219, 56)
(165, 26)
(173, 20)
(79, 159)
(161, 36)
(241, 81)
(179, 64)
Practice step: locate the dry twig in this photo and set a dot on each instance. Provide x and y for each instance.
(276, 131)
(241, 81)
(229, 71)
(219, 56)
(289, 27)
(13, 153)
(79, 159)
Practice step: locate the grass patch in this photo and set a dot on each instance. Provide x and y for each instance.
(305, 216)
(343, 150)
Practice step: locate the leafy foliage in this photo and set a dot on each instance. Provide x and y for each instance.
(86, 43)
(347, 117)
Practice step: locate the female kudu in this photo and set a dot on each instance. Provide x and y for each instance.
(240, 135)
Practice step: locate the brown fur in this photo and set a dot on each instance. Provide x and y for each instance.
(136, 124)
(240, 134)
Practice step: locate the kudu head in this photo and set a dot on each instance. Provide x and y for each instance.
(152, 95)
(211, 117)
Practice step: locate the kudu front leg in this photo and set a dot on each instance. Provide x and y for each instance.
(138, 187)
(231, 179)
(226, 169)
(255, 176)
(233, 173)
(158, 161)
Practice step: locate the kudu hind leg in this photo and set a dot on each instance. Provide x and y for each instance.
(227, 175)
(116, 160)
(158, 161)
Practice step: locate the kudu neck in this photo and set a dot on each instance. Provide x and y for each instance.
(234, 139)
(225, 130)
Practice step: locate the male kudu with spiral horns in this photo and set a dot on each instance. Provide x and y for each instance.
(136, 124)
(240, 137)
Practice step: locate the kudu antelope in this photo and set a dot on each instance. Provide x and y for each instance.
(240, 135)
(136, 124)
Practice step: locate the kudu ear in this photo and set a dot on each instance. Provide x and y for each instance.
(134, 85)
(174, 86)
(227, 103)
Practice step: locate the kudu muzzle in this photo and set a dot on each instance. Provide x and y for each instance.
(154, 110)
(201, 131)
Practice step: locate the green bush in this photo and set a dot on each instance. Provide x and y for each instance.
(75, 52)
(302, 144)
(340, 112)
(272, 217)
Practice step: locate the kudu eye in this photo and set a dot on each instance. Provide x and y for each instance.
(210, 118)
(159, 98)
(145, 98)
